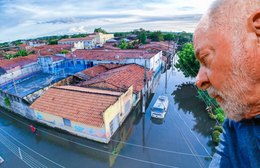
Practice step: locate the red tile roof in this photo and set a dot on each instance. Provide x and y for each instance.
(94, 71)
(120, 78)
(111, 54)
(83, 105)
(160, 46)
(51, 49)
(77, 39)
(19, 61)
(22, 61)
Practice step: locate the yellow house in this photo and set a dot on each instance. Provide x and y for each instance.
(102, 38)
(91, 113)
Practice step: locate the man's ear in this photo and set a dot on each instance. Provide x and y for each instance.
(254, 23)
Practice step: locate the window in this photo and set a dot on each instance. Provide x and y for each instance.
(111, 124)
(67, 122)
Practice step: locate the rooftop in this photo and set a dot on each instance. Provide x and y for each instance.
(111, 54)
(84, 105)
(160, 46)
(7, 64)
(51, 49)
(77, 39)
(120, 78)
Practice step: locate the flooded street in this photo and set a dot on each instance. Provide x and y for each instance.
(182, 139)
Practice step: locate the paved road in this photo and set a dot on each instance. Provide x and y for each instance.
(180, 140)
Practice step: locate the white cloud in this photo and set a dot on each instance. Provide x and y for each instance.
(33, 18)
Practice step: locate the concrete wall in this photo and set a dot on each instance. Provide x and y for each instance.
(17, 105)
(83, 130)
(120, 109)
(32, 97)
(19, 72)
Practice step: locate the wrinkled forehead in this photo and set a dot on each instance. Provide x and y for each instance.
(201, 30)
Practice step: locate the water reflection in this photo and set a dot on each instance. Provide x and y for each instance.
(185, 96)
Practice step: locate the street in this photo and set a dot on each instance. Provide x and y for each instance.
(181, 139)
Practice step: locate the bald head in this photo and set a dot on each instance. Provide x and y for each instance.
(229, 16)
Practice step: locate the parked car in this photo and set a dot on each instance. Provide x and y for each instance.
(160, 107)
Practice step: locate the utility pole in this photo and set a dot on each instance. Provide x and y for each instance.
(144, 92)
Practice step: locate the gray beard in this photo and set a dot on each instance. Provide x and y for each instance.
(232, 96)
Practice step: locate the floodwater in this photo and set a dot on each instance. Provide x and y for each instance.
(182, 139)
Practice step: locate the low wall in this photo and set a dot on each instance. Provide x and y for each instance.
(33, 96)
(16, 105)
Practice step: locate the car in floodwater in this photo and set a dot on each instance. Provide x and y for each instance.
(160, 107)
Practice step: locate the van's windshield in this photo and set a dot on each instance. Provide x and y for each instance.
(157, 110)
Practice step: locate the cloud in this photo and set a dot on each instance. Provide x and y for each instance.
(34, 18)
(75, 30)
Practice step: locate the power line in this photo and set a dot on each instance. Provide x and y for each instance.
(99, 150)
(31, 149)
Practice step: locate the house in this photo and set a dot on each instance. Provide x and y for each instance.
(167, 48)
(151, 59)
(80, 43)
(119, 78)
(101, 38)
(91, 113)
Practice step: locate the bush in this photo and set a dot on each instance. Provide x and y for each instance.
(212, 116)
(7, 102)
(218, 128)
(215, 136)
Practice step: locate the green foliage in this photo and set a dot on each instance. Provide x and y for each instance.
(7, 102)
(123, 45)
(212, 116)
(182, 38)
(187, 62)
(156, 36)
(220, 114)
(218, 128)
(78, 35)
(215, 136)
(64, 51)
(21, 53)
(121, 34)
(53, 42)
(18, 54)
(100, 30)
(141, 35)
(169, 37)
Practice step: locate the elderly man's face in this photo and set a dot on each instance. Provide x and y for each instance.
(222, 72)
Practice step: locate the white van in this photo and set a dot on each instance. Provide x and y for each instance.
(160, 107)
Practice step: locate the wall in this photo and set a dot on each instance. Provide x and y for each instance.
(156, 62)
(119, 108)
(32, 97)
(19, 72)
(18, 105)
(83, 130)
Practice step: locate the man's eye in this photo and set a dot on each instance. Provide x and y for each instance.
(204, 59)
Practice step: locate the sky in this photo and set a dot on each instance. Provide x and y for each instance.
(23, 19)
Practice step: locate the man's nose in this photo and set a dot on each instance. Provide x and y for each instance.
(202, 80)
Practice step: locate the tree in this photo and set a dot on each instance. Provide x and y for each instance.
(187, 62)
(53, 42)
(168, 37)
(141, 35)
(64, 51)
(21, 53)
(123, 45)
(100, 30)
(156, 36)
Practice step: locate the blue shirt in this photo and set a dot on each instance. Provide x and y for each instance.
(239, 145)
